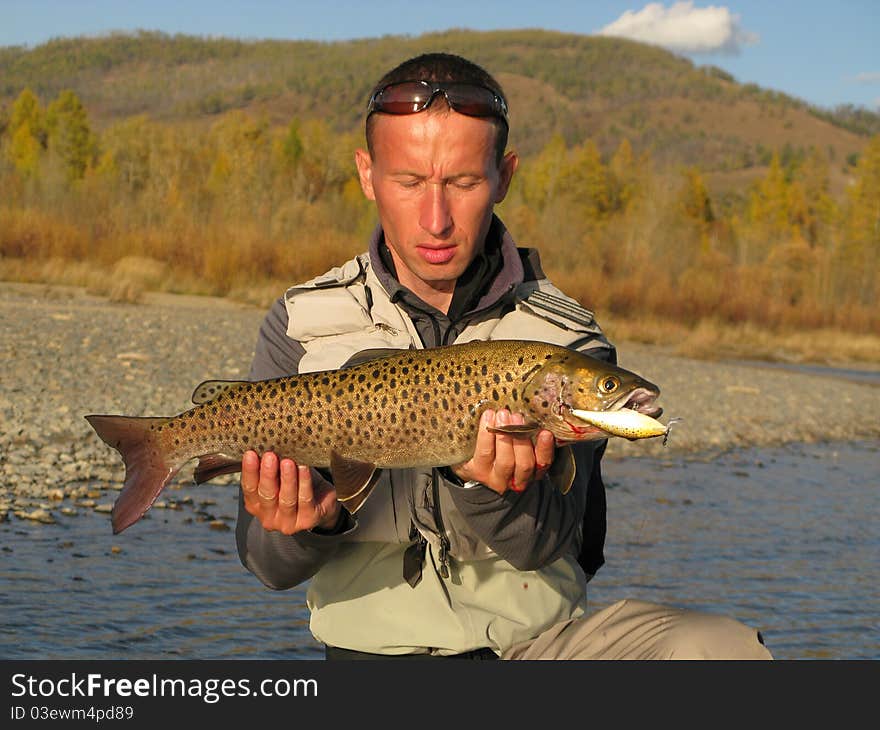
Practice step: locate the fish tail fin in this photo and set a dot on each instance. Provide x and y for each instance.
(147, 468)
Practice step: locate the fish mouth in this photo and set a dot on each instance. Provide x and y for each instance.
(642, 400)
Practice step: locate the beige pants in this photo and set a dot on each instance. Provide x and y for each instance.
(638, 630)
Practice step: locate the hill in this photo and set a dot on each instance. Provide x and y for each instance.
(579, 86)
(655, 189)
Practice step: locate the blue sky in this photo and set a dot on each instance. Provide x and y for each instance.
(826, 53)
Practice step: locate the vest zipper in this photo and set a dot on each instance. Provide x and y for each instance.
(438, 518)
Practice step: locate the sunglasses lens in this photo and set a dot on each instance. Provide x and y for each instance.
(406, 98)
(475, 101)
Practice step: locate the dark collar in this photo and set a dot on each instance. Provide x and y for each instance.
(491, 275)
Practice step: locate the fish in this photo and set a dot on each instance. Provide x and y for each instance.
(389, 409)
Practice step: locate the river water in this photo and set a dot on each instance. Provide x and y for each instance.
(785, 539)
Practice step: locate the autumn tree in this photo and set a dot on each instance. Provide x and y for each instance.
(26, 131)
(70, 136)
(861, 249)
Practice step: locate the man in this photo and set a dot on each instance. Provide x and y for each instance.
(487, 558)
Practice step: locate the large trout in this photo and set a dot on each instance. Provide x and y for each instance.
(405, 409)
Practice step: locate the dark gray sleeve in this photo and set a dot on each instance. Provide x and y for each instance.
(275, 354)
(532, 528)
(282, 561)
(535, 527)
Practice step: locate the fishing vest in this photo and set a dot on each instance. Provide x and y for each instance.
(342, 313)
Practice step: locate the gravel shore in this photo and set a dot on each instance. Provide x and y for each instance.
(67, 354)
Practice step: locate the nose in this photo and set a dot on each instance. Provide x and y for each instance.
(435, 217)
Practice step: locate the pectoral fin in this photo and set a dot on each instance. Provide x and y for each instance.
(562, 470)
(525, 429)
(353, 479)
(213, 465)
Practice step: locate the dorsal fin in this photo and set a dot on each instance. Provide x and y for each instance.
(210, 389)
(371, 354)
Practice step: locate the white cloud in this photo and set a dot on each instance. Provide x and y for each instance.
(682, 27)
(868, 77)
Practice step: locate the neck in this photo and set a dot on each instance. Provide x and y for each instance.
(436, 293)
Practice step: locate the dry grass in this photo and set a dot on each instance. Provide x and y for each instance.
(714, 340)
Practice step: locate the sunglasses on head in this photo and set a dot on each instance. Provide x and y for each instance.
(412, 97)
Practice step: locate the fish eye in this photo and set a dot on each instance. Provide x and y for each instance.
(609, 384)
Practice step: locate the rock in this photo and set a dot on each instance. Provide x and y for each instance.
(37, 515)
(106, 507)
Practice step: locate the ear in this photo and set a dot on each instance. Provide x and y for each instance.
(365, 172)
(505, 174)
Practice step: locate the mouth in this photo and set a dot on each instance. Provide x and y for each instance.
(440, 255)
(641, 400)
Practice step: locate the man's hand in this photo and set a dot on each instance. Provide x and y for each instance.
(503, 461)
(287, 497)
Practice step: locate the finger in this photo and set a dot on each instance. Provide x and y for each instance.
(267, 490)
(484, 452)
(505, 461)
(288, 491)
(524, 457)
(250, 471)
(545, 451)
(311, 510)
(287, 513)
(250, 479)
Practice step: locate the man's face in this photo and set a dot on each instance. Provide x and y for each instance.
(435, 180)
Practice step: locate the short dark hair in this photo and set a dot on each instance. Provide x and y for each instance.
(443, 67)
